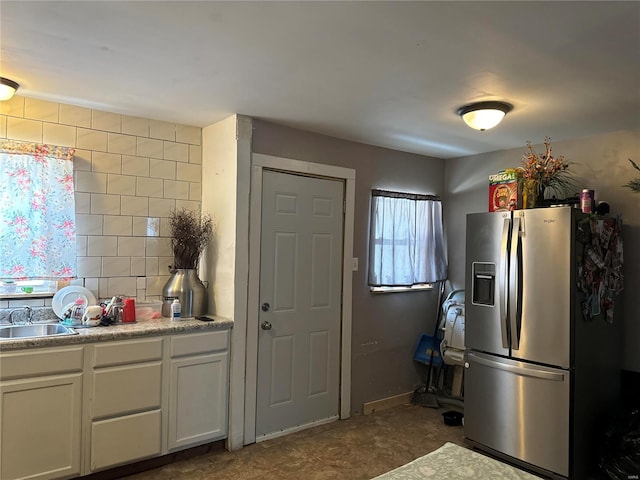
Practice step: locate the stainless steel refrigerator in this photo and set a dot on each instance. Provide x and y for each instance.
(540, 381)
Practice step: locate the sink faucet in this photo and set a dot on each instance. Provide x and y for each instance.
(29, 314)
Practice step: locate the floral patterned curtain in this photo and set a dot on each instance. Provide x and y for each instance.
(37, 211)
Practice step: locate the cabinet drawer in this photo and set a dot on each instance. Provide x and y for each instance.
(40, 362)
(126, 389)
(125, 439)
(196, 343)
(127, 351)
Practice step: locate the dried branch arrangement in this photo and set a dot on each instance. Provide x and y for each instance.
(189, 235)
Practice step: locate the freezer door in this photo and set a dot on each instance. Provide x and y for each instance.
(540, 307)
(518, 409)
(486, 282)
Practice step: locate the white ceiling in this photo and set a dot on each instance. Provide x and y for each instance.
(385, 73)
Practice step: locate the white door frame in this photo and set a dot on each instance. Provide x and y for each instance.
(286, 165)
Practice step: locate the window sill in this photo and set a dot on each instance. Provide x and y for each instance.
(414, 288)
(24, 296)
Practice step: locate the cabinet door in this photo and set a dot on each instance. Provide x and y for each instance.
(40, 434)
(198, 400)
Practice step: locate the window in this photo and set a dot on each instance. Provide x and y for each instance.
(406, 245)
(37, 218)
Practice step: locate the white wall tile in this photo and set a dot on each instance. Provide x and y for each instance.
(158, 247)
(178, 190)
(110, 122)
(116, 266)
(164, 263)
(131, 246)
(103, 291)
(81, 245)
(99, 246)
(195, 154)
(91, 139)
(135, 126)
(149, 147)
(151, 266)
(165, 228)
(162, 169)
(146, 226)
(137, 270)
(90, 182)
(141, 282)
(118, 143)
(162, 130)
(76, 116)
(188, 205)
(138, 166)
(92, 284)
(188, 134)
(82, 160)
(31, 302)
(121, 184)
(41, 110)
(27, 130)
(88, 224)
(149, 187)
(136, 206)
(189, 172)
(195, 191)
(62, 135)
(83, 202)
(122, 286)
(89, 266)
(161, 207)
(3, 126)
(105, 204)
(178, 152)
(13, 107)
(117, 225)
(156, 284)
(106, 162)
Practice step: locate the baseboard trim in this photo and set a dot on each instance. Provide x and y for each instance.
(385, 403)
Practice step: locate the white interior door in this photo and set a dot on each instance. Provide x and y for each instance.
(300, 296)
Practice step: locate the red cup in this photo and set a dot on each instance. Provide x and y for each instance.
(129, 311)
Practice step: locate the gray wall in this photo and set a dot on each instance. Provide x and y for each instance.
(385, 327)
(600, 162)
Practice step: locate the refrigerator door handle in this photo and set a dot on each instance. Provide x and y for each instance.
(514, 285)
(529, 371)
(503, 281)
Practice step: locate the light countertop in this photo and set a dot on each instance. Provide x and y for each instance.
(143, 328)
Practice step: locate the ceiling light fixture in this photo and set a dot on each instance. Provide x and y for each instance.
(484, 115)
(7, 88)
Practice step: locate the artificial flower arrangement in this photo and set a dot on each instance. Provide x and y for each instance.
(542, 173)
(635, 183)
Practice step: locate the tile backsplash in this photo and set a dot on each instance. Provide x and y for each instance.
(130, 172)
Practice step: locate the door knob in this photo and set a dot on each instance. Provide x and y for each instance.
(266, 325)
(265, 307)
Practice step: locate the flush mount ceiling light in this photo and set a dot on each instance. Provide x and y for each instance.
(7, 88)
(484, 115)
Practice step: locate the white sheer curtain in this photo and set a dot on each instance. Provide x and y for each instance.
(406, 244)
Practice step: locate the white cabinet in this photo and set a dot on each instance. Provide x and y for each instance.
(71, 411)
(41, 412)
(198, 389)
(125, 402)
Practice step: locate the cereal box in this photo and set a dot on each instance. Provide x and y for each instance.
(503, 191)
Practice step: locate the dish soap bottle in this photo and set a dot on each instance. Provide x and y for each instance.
(77, 312)
(176, 308)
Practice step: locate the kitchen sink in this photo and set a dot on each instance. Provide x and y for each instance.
(14, 332)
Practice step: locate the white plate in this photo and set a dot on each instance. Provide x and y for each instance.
(70, 294)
